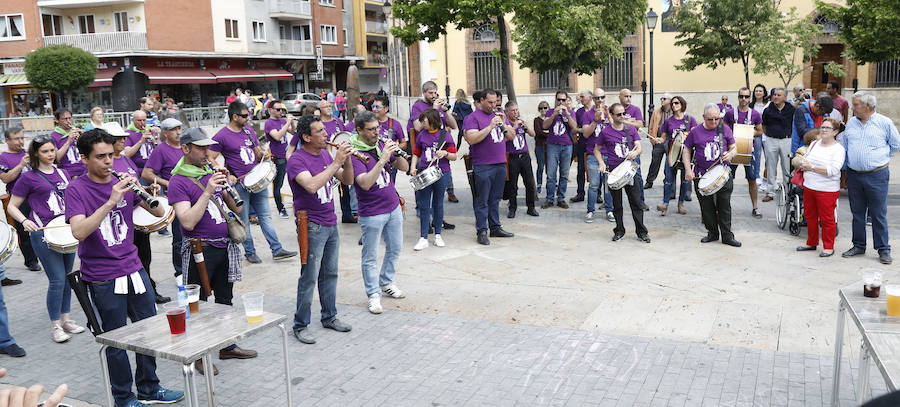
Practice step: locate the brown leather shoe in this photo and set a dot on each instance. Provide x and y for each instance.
(768, 198)
(681, 209)
(198, 366)
(237, 353)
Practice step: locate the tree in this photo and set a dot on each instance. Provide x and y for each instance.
(716, 32)
(60, 68)
(429, 20)
(785, 43)
(870, 28)
(567, 35)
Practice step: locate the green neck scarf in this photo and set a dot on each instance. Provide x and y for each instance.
(360, 145)
(192, 171)
(61, 131)
(134, 128)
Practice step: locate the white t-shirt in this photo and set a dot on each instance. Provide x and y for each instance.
(831, 157)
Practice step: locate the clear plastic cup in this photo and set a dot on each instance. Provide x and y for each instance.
(872, 281)
(176, 316)
(193, 292)
(893, 300)
(253, 306)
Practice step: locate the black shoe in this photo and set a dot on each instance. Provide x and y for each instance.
(731, 242)
(253, 258)
(13, 350)
(348, 220)
(165, 232)
(600, 198)
(709, 238)
(511, 214)
(283, 254)
(562, 204)
(452, 198)
(688, 198)
(360, 241)
(617, 236)
(483, 238)
(648, 185)
(34, 266)
(854, 251)
(162, 299)
(448, 226)
(577, 198)
(547, 204)
(9, 281)
(644, 207)
(499, 232)
(644, 238)
(532, 212)
(885, 257)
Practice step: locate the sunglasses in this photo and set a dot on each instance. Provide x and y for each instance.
(744, 96)
(675, 102)
(664, 99)
(599, 97)
(543, 108)
(560, 100)
(619, 114)
(712, 119)
(245, 115)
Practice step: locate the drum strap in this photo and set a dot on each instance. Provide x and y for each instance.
(55, 189)
(746, 119)
(720, 137)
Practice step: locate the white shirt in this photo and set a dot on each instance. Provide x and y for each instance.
(832, 157)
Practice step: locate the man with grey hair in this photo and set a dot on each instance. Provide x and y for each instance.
(659, 146)
(871, 139)
(799, 95)
(586, 97)
(777, 122)
(705, 147)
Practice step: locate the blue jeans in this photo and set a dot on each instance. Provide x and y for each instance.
(639, 181)
(280, 169)
(430, 200)
(607, 195)
(559, 158)
(322, 267)
(868, 193)
(56, 265)
(489, 183)
(540, 153)
(114, 310)
(669, 183)
(6, 338)
(595, 181)
(387, 226)
(260, 202)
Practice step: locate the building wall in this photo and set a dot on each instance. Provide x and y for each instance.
(103, 17)
(234, 10)
(32, 21)
(328, 15)
(258, 10)
(348, 19)
(176, 25)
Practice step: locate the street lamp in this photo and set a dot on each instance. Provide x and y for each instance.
(651, 24)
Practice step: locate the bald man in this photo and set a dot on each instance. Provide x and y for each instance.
(141, 139)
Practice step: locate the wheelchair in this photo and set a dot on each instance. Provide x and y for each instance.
(789, 209)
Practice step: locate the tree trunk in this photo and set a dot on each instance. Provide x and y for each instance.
(745, 59)
(69, 96)
(563, 75)
(504, 54)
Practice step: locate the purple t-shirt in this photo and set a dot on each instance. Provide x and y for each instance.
(416, 110)
(559, 132)
(334, 127)
(428, 143)
(144, 152)
(71, 162)
(163, 160)
(320, 205)
(706, 148)
(381, 197)
(591, 141)
(278, 148)
(615, 144)
(582, 117)
(9, 161)
(109, 251)
(213, 224)
(392, 129)
(123, 165)
(755, 117)
(237, 147)
(519, 144)
(633, 112)
(492, 148)
(45, 203)
(672, 124)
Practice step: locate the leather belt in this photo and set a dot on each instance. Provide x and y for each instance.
(870, 171)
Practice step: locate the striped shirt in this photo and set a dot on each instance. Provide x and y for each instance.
(871, 145)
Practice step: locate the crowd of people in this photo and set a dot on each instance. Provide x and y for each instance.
(92, 178)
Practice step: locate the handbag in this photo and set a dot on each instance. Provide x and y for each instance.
(797, 178)
(236, 230)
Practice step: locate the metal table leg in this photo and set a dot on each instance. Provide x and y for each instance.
(863, 373)
(208, 372)
(287, 363)
(190, 391)
(838, 349)
(106, 384)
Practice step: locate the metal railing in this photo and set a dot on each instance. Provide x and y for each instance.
(887, 74)
(296, 47)
(102, 42)
(191, 117)
(377, 27)
(290, 7)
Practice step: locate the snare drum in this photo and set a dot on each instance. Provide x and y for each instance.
(623, 174)
(743, 137)
(60, 239)
(145, 221)
(426, 177)
(675, 149)
(260, 177)
(714, 179)
(9, 241)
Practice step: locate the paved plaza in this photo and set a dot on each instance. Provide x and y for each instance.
(558, 315)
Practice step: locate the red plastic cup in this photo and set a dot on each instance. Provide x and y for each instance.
(176, 317)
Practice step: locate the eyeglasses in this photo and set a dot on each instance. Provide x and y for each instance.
(744, 96)
(370, 128)
(712, 119)
(826, 128)
(619, 114)
(376, 107)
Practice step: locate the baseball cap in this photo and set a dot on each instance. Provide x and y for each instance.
(196, 136)
(170, 124)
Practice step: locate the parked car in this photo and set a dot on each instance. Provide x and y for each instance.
(295, 102)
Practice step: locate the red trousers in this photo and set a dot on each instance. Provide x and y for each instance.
(818, 207)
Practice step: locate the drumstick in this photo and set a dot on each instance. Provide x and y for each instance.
(53, 227)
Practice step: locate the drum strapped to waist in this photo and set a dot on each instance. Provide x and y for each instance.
(146, 222)
(9, 241)
(675, 148)
(714, 179)
(259, 178)
(622, 175)
(743, 137)
(59, 238)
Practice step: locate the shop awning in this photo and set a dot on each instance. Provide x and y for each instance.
(104, 77)
(276, 74)
(177, 75)
(237, 75)
(13, 79)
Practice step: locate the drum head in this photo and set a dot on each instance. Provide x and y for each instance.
(338, 139)
(711, 176)
(5, 235)
(60, 235)
(258, 173)
(143, 218)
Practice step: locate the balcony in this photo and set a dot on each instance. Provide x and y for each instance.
(102, 42)
(376, 27)
(296, 47)
(83, 3)
(376, 59)
(289, 10)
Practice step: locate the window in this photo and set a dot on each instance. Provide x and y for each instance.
(259, 31)
(549, 81)
(121, 20)
(52, 24)
(327, 2)
(619, 73)
(487, 68)
(12, 27)
(86, 24)
(887, 74)
(346, 41)
(329, 34)
(231, 29)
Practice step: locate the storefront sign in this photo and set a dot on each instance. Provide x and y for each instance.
(13, 68)
(320, 61)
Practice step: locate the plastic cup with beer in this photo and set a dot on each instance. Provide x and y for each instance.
(193, 292)
(176, 316)
(253, 306)
(893, 300)
(872, 280)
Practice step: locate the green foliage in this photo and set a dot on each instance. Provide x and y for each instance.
(835, 69)
(429, 20)
(785, 43)
(60, 68)
(716, 32)
(573, 35)
(870, 28)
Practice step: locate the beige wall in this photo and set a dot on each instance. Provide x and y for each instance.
(222, 9)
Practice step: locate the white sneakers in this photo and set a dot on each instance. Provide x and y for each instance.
(589, 218)
(375, 303)
(71, 327)
(422, 244)
(58, 334)
(393, 291)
